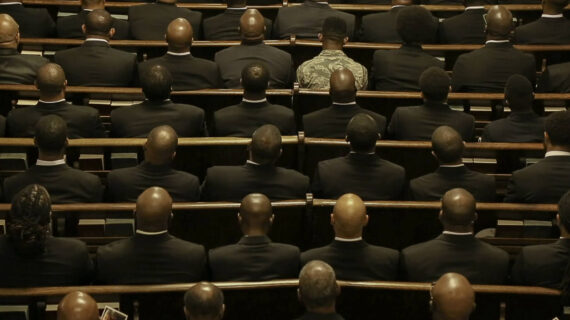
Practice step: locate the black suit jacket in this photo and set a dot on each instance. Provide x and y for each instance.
(544, 31)
(556, 78)
(254, 258)
(418, 123)
(366, 175)
(243, 119)
(487, 69)
(400, 70)
(517, 127)
(479, 262)
(95, 63)
(380, 27)
(188, 72)
(82, 121)
(70, 27)
(357, 261)
(306, 20)
(224, 26)
(19, 68)
(543, 182)
(232, 60)
(331, 122)
(138, 120)
(232, 183)
(64, 184)
(64, 262)
(466, 28)
(2, 126)
(149, 21)
(150, 259)
(542, 265)
(33, 22)
(432, 186)
(125, 185)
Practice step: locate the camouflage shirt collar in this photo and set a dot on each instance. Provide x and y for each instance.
(331, 53)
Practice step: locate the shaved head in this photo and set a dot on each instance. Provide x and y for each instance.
(342, 86)
(458, 209)
(77, 306)
(9, 31)
(317, 285)
(255, 213)
(265, 147)
(252, 26)
(160, 146)
(50, 79)
(204, 301)
(499, 22)
(179, 35)
(349, 216)
(447, 144)
(99, 23)
(153, 210)
(453, 298)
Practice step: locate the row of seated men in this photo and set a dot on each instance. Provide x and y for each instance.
(95, 63)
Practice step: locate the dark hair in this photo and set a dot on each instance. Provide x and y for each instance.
(255, 77)
(362, 132)
(204, 300)
(51, 134)
(557, 126)
(98, 22)
(434, 83)
(334, 28)
(265, 144)
(415, 24)
(518, 92)
(156, 83)
(28, 220)
(447, 144)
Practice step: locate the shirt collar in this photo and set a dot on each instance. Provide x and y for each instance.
(241, 8)
(497, 41)
(328, 52)
(147, 233)
(354, 152)
(44, 163)
(347, 240)
(252, 162)
(452, 165)
(474, 8)
(398, 6)
(556, 154)
(10, 3)
(345, 103)
(178, 53)
(51, 102)
(96, 39)
(254, 101)
(458, 233)
(544, 15)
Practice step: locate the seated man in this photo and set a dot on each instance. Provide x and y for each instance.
(204, 301)
(77, 305)
(152, 255)
(380, 27)
(95, 63)
(456, 250)
(33, 22)
(254, 111)
(82, 121)
(259, 174)
(317, 291)
(361, 171)
(350, 256)
(70, 26)
(551, 28)
(138, 120)
(452, 297)
(331, 122)
(556, 79)
(148, 21)
(316, 73)
(448, 147)
(254, 257)
(465, 28)
(225, 26)
(125, 185)
(188, 72)
(418, 123)
(548, 179)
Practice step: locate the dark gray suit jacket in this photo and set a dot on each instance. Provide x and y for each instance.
(224, 26)
(331, 122)
(467, 28)
(149, 21)
(70, 27)
(243, 119)
(33, 22)
(19, 68)
(542, 265)
(516, 127)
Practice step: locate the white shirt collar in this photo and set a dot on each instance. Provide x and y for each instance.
(556, 154)
(44, 163)
(252, 162)
(544, 15)
(452, 165)
(241, 8)
(178, 53)
(10, 3)
(345, 103)
(96, 39)
(48, 102)
(254, 101)
(398, 6)
(474, 8)
(347, 240)
(354, 152)
(458, 233)
(146, 233)
(496, 41)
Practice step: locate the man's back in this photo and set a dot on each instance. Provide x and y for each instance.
(542, 265)
(33, 22)
(331, 122)
(224, 26)
(544, 31)
(517, 127)
(316, 73)
(466, 28)
(18, 68)
(70, 27)
(243, 119)
(556, 78)
(149, 21)
(380, 27)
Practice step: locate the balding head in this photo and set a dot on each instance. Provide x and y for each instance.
(499, 23)
(50, 80)
(447, 145)
(265, 147)
(458, 210)
(255, 214)
(9, 32)
(153, 210)
(99, 23)
(252, 26)
(204, 301)
(160, 146)
(77, 306)
(452, 298)
(342, 86)
(179, 35)
(318, 288)
(349, 216)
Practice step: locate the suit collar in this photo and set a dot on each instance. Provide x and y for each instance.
(95, 43)
(456, 238)
(235, 11)
(254, 240)
(154, 168)
(453, 171)
(506, 44)
(439, 105)
(58, 104)
(254, 105)
(314, 4)
(411, 47)
(259, 166)
(155, 103)
(348, 244)
(523, 115)
(8, 52)
(361, 156)
(151, 238)
(344, 107)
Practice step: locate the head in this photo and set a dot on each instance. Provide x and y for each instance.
(236, 3)
(458, 211)
(255, 214)
(77, 306)
(156, 83)
(252, 26)
(153, 210)
(160, 146)
(563, 216)
(415, 25)
(452, 298)
(557, 135)
(99, 23)
(204, 301)
(499, 23)
(518, 93)
(349, 216)
(9, 32)
(255, 78)
(50, 80)
(342, 86)
(318, 288)
(334, 32)
(447, 145)
(265, 146)
(93, 4)
(51, 136)
(27, 223)
(362, 133)
(434, 84)
(554, 6)
(179, 35)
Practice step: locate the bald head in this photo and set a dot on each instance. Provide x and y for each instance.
(447, 145)
(318, 288)
(50, 79)
(77, 306)
(349, 216)
(9, 32)
(179, 35)
(342, 86)
(453, 298)
(99, 23)
(458, 209)
(255, 214)
(160, 146)
(499, 22)
(252, 26)
(153, 210)
(265, 147)
(204, 301)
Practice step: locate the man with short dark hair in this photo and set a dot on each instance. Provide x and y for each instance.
(225, 26)
(380, 27)
(254, 110)
(551, 28)
(70, 26)
(204, 301)
(465, 28)
(418, 123)
(452, 298)
(33, 22)
(317, 291)
(149, 21)
(138, 120)
(77, 306)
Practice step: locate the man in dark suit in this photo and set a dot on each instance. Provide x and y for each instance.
(448, 147)
(487, 69)
(225, 26)
(456, 250)
(254, 257)
(138, 120)
(65, 184)
(317, 291)
(125, 185)
(148, 21)
(418, 123)
(306, 20)
(33, 22)
(82, 121)
(465, 28)
(361, 171)
(400, 69)
(204, 301)
(551, 28)
(380, 27)
(452, 297)
(188, 72)
(152, 255)
(331, 122)
(351, 257)
(95, 63)
(556, 78)
(254, 111)
(71, 26)
(232, 60)
(16, 68)
(522, 124)
(544, 265)
(259, 174)
(77, 305)
(548, 179)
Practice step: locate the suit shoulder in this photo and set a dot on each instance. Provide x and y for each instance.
(69, 245)
(383, 251)
(293, 174)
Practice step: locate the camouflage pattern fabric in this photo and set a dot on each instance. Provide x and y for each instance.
(316, 73)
